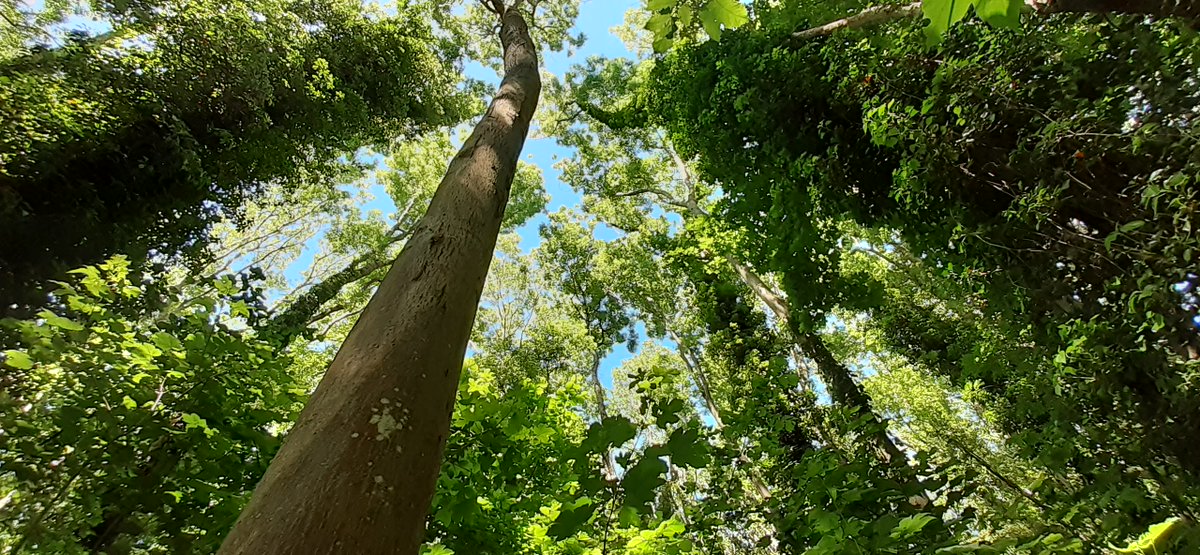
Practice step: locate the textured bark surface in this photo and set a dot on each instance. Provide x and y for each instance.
(357, 473)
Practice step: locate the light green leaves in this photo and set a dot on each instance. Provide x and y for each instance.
(941, 15)
(999, 13)
(18, 360)
(730, 14)
(194, 421)
(944, 13)
(911, 525)
(56, 321)
(673, 18)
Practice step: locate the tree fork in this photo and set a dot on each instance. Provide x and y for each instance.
(358, 471)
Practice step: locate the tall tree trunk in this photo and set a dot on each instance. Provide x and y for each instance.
(357, 473)
(848, 393)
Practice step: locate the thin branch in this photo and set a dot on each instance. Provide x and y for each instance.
(662, 195)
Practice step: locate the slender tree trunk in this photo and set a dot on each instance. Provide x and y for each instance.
(693, 366)
(848, 392)
(357, 473)
(610, 470)
(842, 387)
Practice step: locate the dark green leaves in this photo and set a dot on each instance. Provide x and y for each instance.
(571, 517)
(641, 482)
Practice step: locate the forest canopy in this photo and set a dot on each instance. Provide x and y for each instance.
(633, 277)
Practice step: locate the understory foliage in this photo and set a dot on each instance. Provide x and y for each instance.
(923, 285)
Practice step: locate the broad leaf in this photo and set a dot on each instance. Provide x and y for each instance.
(730, 14)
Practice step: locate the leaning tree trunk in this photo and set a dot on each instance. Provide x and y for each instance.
(358, 471)
(842, 387)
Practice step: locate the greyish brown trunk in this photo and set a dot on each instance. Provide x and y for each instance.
(357, 473)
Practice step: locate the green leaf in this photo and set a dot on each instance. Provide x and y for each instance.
(1005, 14)
(717, 13)
(166, 341)
(655, 5)
(687, 448)
(661, 25)
(666, 414)
(942, 14)
(616, 430)
(18, 360)
(1132, 226)
(91, 280)
(57, 321)
(685, 16)
(910, 526)
(194, 421)
(570, 519)
(239, 308)
(435, 549)
(129, 403)
(1155, 540)
(662, 45)
(225, 286)
(641, 480)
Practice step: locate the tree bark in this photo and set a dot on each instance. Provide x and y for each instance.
(357, 473)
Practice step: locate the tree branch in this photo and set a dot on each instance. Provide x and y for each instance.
(876, 15)
(871, 16)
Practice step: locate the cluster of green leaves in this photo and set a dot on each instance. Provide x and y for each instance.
(679, 20)
(1023, 171)
(129, 427)
(135, 140)
(944, 13)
